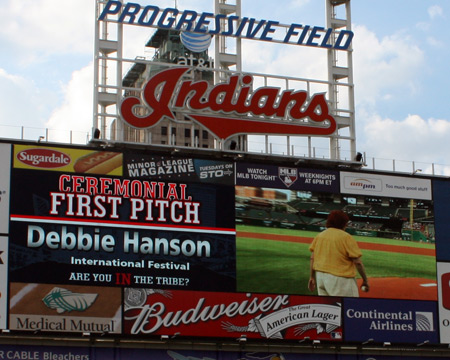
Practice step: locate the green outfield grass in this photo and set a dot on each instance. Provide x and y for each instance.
(268, 266)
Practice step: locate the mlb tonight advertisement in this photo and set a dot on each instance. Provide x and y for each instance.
(141, 244)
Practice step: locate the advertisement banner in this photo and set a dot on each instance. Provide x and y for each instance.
(35, 352)
(158, 17)
(145, 166)
(390, 321)
(5, 165)
(3, 282)
(87, 161)
(386, 186)
(441, 196)
(283, 177)
(65, 308)
(208, 314)
(443, 273)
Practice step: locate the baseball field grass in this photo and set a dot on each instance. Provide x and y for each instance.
(268, 263)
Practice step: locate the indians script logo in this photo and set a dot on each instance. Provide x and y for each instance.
(63, 300)
(287, 175)
(233, 106)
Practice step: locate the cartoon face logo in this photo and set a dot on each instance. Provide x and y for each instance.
(135, 297)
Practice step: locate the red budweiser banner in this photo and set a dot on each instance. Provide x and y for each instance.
(212, 314)
(230, 108)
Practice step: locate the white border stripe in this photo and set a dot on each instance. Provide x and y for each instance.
(123, 225)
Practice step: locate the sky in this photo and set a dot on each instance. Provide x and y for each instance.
(401, 53)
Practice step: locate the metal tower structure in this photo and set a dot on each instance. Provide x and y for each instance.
(340, 80)
(108, 64)
(109, 87)
(227, 57)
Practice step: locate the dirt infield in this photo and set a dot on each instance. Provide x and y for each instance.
(398, 288)
(362, 245)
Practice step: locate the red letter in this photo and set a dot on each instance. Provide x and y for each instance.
(159, 105)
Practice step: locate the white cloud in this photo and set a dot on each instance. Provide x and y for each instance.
(22, 104)
(382, 67)
(76, 112)
(432, 41)
(412, 138)
(286, 60)
(48, 26)
(435, 11)
(423, 26)
(298, 4)
(385, 72)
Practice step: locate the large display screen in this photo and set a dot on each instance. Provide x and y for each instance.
(280, 210)
(137, 243)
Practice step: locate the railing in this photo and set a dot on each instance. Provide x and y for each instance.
(44, 134)
(255, 146)
(368, 162)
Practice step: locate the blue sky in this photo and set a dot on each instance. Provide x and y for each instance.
(401, 68)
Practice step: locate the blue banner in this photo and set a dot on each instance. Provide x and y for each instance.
(441, 196)
(390, 321)
(285, 177)
(21, 352)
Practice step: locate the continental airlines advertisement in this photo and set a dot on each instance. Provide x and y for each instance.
(145, 244)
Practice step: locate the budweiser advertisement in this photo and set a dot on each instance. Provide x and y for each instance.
(149, 311)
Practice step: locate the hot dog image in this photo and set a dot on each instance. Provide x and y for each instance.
(99, 162)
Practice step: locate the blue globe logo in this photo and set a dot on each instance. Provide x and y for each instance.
(195, 42)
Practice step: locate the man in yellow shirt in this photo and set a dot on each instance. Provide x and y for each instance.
(335, 257)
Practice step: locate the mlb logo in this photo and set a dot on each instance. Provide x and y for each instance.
(287, 175)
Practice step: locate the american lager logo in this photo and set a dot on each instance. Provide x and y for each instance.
(232, 108)
(63, 300)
